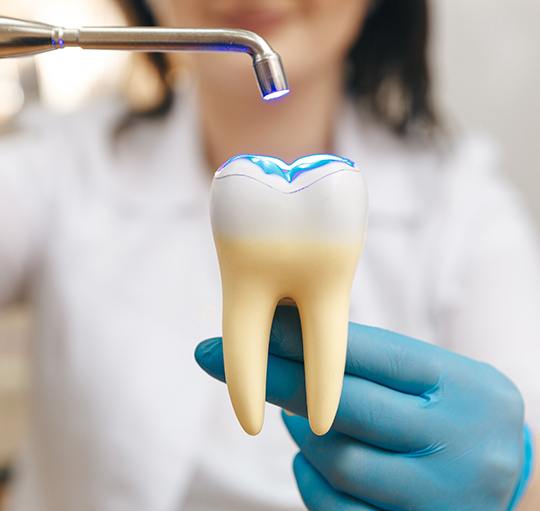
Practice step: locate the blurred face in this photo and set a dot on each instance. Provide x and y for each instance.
(312, 36)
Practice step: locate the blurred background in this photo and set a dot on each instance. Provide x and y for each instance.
(486, 56)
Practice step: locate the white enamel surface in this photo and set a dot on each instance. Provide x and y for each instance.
(324, 204)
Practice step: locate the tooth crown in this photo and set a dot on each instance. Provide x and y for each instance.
(287, 231)
(322, 203)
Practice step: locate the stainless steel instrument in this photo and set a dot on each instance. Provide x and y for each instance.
(19, 38)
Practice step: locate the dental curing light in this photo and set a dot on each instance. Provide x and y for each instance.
(19, 38)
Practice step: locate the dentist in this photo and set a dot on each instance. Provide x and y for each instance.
(104, 227)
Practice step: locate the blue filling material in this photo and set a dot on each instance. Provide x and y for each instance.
(277, 167)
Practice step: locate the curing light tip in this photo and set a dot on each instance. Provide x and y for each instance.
(276, 94)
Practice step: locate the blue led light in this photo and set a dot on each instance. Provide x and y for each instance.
(276, 94)
(58, 44)
(277, 167)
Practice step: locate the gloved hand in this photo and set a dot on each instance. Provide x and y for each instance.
(418, 427)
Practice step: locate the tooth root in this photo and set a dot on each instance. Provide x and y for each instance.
(247, 320)
(324, 314)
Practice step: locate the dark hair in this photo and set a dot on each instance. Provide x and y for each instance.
(387, 67)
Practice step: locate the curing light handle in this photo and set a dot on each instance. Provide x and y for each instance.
(20, 38)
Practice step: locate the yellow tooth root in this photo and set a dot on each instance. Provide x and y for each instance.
(248, 310)
(247, 320)
(324, 333)
(318, 277)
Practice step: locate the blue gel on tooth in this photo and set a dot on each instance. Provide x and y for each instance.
(275, 166)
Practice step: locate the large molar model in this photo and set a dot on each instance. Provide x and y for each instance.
(287, 232)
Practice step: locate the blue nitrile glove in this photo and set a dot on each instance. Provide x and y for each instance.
(418, 427)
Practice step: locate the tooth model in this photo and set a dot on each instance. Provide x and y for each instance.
(287, 232)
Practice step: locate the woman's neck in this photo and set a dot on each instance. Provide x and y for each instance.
(299, 124)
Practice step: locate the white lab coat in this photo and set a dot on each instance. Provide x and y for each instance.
(113, 246)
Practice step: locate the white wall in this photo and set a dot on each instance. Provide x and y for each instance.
(68, 80)
(487, 56)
